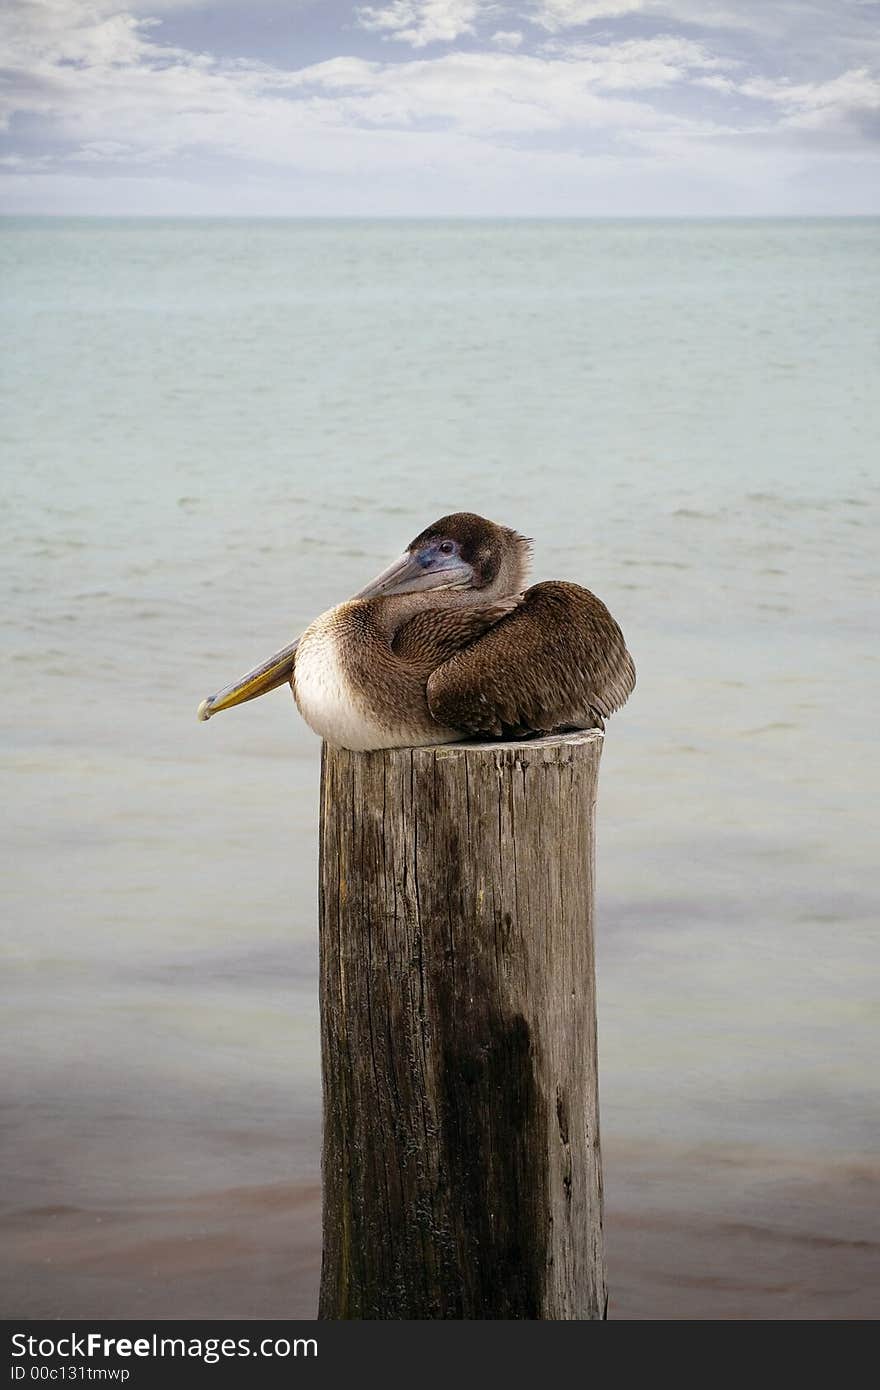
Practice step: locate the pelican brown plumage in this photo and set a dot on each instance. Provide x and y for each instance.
(446, 644)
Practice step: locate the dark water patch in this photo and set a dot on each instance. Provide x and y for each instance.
(654, 564)
(810, 1239)
(792, 503)
(270, 966)
(779, 727)
(42, 1213)
(241, 1251)
(52, 654)
(620, 918)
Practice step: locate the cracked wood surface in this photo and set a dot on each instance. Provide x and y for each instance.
(461, 1163)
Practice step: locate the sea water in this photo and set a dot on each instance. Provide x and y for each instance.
(213, 430)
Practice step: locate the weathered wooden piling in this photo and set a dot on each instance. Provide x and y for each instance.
(461, 1163)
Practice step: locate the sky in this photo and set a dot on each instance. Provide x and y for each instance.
(440, 107)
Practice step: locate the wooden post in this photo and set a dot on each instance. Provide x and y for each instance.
(461, 1164)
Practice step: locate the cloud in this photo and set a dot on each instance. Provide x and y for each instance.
(798, 20)
(511, 39)
(47, 46)
(76, 32)
(522, 118)
(838, 104)
(420, 22)
(635, 64)
(104, 81)
(555, 15)
(491, 93)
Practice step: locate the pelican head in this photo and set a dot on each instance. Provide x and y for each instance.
(461, 551)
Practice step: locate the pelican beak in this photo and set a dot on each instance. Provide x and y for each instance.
(272, 673)
(412, 573)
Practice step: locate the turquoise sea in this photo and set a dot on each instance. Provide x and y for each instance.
(213, 430)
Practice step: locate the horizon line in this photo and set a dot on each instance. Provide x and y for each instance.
(439, 217)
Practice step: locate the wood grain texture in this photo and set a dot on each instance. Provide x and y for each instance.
(461, 1162)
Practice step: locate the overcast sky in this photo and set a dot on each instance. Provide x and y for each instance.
(522, 107)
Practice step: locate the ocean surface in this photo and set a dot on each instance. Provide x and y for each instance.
(213, 430)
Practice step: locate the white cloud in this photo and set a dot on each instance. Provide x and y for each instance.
(510, 39)
(50, 48)
(716, 83)
(48, 32)
(831, 105)
(555, 15)
(420, 22)
(796, 20)
(635, 64)
(486, 93)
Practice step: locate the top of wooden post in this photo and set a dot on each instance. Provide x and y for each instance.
(546, 749)
(494, 745)
(549, 746)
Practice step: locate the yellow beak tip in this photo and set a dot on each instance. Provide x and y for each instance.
(203, 712)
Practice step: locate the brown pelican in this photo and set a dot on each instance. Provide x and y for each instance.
(447, 643)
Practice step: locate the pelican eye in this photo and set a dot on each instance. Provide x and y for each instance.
(446, 548)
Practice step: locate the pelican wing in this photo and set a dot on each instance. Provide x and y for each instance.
(557, 661)
(430, 638)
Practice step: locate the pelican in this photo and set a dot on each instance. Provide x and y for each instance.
(447, 643)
